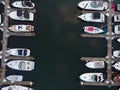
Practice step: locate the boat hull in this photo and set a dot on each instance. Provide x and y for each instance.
(21, 28)
(22, 65)
(95, 64)
(92, 30)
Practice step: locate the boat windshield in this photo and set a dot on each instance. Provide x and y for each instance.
(19, 13)
(26, 14)
(25, 52)
(27, 3)
(94, 78)
(22, 65)
(96, 4)
(20, 52)
(96, 15)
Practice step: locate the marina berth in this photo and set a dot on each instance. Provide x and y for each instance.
(24, 4)
(18, 52)
(117, 18)
(21, 28)
(15, 78)
(93, 5)
(22, 15)
(92, 30)
(116, 53)
(16, 87)
(95, 64)
(92, 77)
(22, 65)
(92, 17)
(117, 65)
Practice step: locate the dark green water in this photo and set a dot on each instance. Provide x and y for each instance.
(58, 46)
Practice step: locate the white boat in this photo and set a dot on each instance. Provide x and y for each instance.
(117, 29)
(18, 52)
(92, 17)
(93, 5)
(117, 65)
(16, 87)
(95, 64)
(92, 30)
(23, 65)
(22, 15)
(23, 4)
(92, 77)
(116, 53)
(15, 78)
(117, 18)
(21, 28)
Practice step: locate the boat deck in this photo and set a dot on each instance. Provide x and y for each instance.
(6, 35)
(109, 37)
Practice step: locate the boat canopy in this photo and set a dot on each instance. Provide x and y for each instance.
(19, 13)
(27, 3)
(22, 65)
(96, 4)
(96, 15)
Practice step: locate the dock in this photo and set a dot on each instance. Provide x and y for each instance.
(6, 35)
(109, 58)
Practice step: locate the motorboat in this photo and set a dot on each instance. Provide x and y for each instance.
(22, 15)
(16, 87)
(23, 65)
(24, 4)
(18, 52)
(117, 18)
(92, 77)
(117, 65)
(15, 78)
(92, 17)
(116, 53)
(117, 29)
(93, 5)
(92, 30)
(21, 28)
(95, 64)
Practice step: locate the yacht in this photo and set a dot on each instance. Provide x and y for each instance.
(93, 5)
(16, 87)
(18, 52)
(95, 64)
(23, 65)
(93, 17)
(21, 28)
(116, 53)
(24, 4)
(92, 30)
(92, 77)
(15, 78)
(22, 15)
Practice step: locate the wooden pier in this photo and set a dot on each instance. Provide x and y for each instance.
(109, 58)
(6, 35)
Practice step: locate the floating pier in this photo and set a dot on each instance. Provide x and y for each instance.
(109, 58)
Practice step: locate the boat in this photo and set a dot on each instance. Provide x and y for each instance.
(92, 17)
(22, 15)
(15, 78)
(92, 30)
(23, 65)
(92, 77)
(117, 65)
(21, 28)
(16, 87)
(23, 4)
(117, 18)
(116, 53)
(117, 29)
(95, 64)
(93, 5)
(18, 52)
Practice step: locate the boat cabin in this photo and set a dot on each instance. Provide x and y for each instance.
(96, 15)
(96, 4)
(22, 52)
